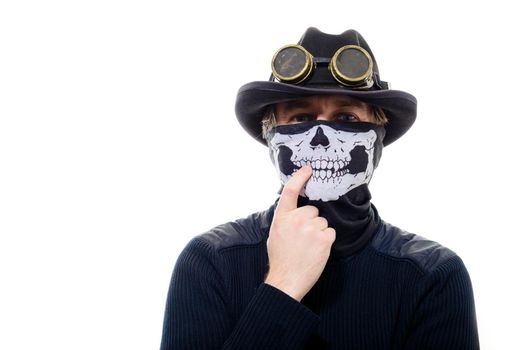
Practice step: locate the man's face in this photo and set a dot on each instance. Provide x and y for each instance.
(329, 107)
(330, 134)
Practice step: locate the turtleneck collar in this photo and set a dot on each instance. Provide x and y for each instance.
(353, 217)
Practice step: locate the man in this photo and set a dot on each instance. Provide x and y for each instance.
(320, 269)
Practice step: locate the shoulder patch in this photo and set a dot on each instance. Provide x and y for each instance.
(250, 230)
(427, 255)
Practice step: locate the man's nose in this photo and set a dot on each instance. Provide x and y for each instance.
(319, 138)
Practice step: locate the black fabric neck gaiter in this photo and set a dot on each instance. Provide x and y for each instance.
(353, 217)
(343, 156)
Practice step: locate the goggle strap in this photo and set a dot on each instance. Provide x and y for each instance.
(322, 60)
(381, 84)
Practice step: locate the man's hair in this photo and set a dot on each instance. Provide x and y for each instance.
(269, 121)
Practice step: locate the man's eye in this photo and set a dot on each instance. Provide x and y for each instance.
(299, 118)
(347, 117)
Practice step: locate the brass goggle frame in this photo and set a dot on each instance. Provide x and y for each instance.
(293, 64)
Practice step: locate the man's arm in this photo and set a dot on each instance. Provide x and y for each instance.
(445, 311)
(197, 312)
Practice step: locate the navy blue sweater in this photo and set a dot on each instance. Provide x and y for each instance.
(400, 292)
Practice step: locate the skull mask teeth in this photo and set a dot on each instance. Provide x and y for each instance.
(341, 160)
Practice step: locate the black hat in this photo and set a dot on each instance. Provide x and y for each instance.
(254, 98)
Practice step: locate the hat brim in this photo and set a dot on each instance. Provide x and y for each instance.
(253, 99)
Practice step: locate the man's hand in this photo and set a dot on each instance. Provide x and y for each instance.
(299, 241)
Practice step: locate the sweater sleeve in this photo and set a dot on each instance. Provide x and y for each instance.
(444, 315)
(198, 315)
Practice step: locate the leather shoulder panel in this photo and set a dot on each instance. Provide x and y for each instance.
(396, 243)
(250, 230)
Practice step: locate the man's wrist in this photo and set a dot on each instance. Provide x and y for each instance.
(284, 287)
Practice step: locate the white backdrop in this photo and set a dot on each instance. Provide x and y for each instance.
(118, 143)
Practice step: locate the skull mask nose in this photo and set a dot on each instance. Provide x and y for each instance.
(319, 138)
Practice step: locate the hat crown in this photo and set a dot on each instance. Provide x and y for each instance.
(321, 44)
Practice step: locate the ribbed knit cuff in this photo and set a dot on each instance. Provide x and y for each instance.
(273, 320)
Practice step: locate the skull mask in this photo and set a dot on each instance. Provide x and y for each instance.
(342, 155)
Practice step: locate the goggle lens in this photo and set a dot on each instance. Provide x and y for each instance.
(353, 64)
(292, 64)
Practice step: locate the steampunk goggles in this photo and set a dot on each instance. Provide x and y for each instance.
(351, 65)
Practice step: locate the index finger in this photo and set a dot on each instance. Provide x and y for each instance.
(289, 196)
